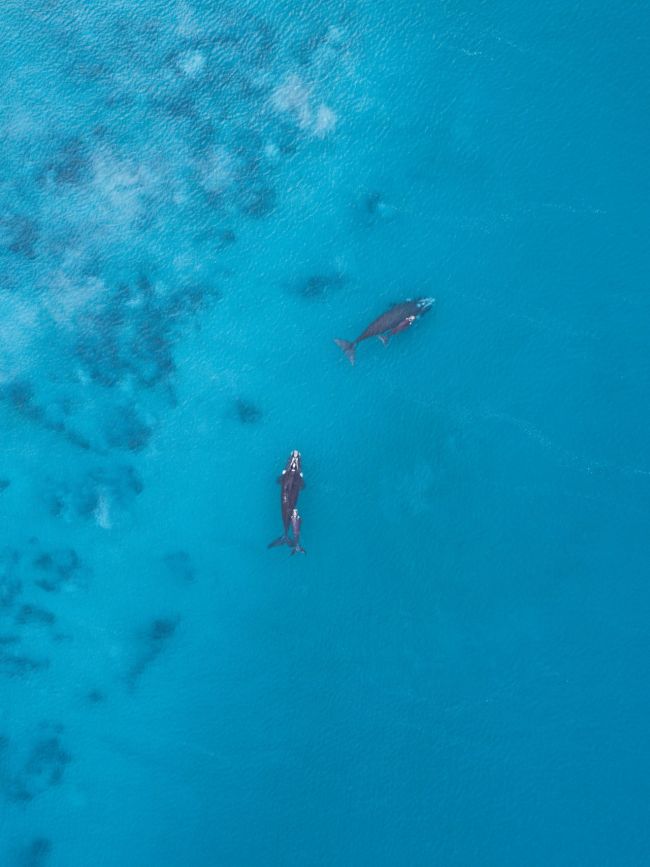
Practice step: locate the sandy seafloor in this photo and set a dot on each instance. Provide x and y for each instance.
(195, 199)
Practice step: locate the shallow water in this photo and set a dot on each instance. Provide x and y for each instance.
(195, 201)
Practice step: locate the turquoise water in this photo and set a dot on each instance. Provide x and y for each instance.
(196, 199)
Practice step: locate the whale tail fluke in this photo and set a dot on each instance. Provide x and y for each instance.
(347, 347)
(283, 540)
(298, 549)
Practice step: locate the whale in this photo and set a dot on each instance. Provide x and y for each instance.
(397, 318)
(296, 523)
(291, 481)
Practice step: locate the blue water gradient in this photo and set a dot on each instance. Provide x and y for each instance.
(196, 198)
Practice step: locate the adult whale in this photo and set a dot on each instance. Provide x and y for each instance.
(291, 483)
(397, 318)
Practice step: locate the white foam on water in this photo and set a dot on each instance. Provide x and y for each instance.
(102, 512)
(191, 63)
(325, 121)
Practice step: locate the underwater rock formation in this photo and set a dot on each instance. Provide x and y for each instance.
(126, 430)
(20, 395)
(19, 235)
(58, 569)
(258, 202)
(153, 640)
(10, 582)
(129, 331)
(70, 165)
(226, 238)
(35, 854)
(96, 494)
(20, 665)
(25, 775)
(127, 334)
(375, 209)
(247, 412)
(33, 615)
(318, 286)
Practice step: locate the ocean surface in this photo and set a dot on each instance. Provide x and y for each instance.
(195, 199)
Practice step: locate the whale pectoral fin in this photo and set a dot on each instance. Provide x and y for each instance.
(303, 484)
(384, 338)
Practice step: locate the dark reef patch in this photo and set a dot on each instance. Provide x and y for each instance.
(180, 107)
(247, 412)
(318, 286)
(190, 299)
(374, 208)
(95, 494)
(258, 201)
(41, 768)
(226, 238)
(20, 395)
(32, 615)
(4, 484)
(130, 334)
(23, 650)
(19, 234)
(126, 430)
(21, 665)
(152, 640)
(70, 164)
(35, 854)
(372, 203)
(10, 583)
(59, 568)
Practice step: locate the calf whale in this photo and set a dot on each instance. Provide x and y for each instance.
(296, 523)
